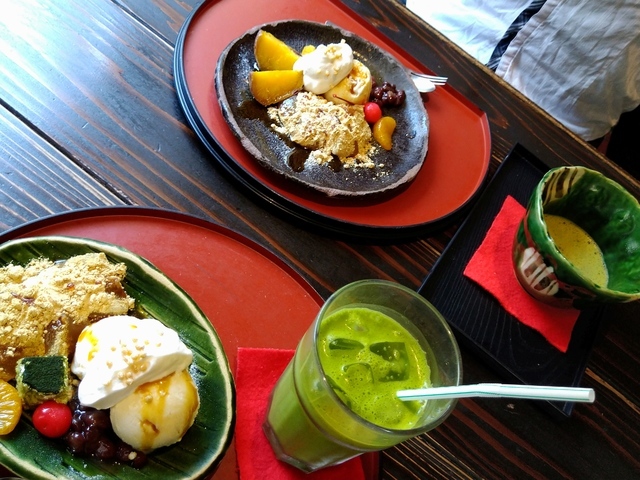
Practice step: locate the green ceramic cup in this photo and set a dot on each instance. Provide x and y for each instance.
(600, 207)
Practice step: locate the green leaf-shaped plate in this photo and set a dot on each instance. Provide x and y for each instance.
(32, 456)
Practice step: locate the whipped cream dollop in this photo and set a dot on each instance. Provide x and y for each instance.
(117, 354)
(325, 67)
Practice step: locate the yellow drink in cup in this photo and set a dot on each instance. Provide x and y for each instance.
(578, 247)
(336, 399)
(578, 244)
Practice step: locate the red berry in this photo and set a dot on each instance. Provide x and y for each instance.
(372, 112)
(52, 419)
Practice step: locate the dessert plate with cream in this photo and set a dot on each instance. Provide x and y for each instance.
(197, 455)
(390, 170)
(450, 174)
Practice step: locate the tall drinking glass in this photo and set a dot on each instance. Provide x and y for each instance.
(336, 399)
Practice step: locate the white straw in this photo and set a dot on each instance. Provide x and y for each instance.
(531, 392)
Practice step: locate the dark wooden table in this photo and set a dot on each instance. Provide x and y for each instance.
(89, 117)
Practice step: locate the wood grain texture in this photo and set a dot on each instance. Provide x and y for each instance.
(37, 180)
(90, 117)
(102, 89)
(512, 116)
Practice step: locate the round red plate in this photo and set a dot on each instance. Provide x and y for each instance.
(252, 298)
(459, 141)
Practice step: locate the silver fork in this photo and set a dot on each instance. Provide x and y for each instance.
(426, 83)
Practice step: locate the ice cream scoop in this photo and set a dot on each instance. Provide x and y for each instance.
(117, 354)
(325, 66)
(158, 413)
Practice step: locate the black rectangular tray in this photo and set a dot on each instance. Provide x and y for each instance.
(518, 353)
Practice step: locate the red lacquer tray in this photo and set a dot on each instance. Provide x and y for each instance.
(251, 297)
(459, 141)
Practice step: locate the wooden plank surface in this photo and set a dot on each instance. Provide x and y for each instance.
(104, 92)
(39, 180)
(513, 117)
(90, 117)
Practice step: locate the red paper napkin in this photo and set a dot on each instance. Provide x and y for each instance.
(492, 268)
(257, 371)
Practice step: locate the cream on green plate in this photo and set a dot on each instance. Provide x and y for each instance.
(32, 456)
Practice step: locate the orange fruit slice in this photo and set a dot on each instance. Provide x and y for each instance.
(273, 86)
(383, 130)
(10, 407)
(272, 53)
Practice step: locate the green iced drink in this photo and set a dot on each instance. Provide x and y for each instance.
(337, 397)
(367, 357)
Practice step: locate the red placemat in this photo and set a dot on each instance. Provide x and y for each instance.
(491, 267)
(257, 372)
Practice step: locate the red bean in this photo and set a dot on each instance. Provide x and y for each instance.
(91, 435)
(387, 95)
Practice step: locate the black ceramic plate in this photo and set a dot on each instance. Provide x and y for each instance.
(249, 122)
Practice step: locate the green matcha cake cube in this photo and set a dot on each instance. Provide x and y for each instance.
(43, 378)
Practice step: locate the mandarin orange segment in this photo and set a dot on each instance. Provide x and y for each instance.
(10, 407)
(383, 131)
